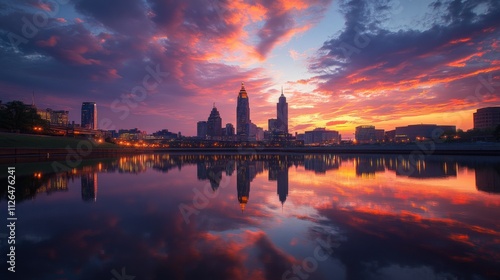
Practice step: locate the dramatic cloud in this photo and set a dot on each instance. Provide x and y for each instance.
(372, 71)
(377, 218)
(101, 50)
(372, 68)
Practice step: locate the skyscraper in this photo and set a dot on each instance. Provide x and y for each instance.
(201, 129)
(282, 114)
(278, 171)
(214, 123)
(89, 115)
(243, 114)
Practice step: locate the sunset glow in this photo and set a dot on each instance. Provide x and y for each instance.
(342, 63)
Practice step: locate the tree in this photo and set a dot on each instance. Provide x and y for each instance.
(449, 135)
(16, 115)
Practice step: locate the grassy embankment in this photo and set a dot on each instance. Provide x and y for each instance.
(14, 140)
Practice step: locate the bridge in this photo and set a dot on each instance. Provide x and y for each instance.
(73, 130)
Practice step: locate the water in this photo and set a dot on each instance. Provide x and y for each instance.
(258, 217)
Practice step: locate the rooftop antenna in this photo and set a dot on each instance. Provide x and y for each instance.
(33, 99)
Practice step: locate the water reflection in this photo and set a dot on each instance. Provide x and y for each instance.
(89, 186)
(321, 163)
(212, 168)
(488, 179)
(394, 217)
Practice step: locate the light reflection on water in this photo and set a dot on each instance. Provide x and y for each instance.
(261, 217)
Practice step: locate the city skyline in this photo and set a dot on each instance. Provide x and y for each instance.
(343, 63)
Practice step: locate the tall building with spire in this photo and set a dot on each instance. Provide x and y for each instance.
(89, 115)
(282, 178)
(243, 115)
(282, 114)
(278, 171)
(214, 123)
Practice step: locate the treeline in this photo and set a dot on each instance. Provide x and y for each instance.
(474, 135)
(15, 116)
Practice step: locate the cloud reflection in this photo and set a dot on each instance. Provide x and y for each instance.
(434, 223)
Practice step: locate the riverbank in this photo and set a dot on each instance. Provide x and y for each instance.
(475, 149)
(25, 148)
(429, 148)
(33, 141)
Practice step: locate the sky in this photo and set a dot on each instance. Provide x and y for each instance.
(163, 64)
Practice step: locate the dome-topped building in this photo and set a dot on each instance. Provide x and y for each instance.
(214, 123)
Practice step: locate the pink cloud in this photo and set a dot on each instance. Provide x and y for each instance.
(51, 42)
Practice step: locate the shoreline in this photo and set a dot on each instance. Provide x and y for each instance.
(422, 148)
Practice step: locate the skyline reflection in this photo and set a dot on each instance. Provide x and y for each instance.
(212, 167)
(89, 186)
(263, 214)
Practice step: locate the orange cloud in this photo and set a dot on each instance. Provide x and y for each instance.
(332, 123)
(462, 40)
(462, 61)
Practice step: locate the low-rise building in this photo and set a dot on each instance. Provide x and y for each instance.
(390, 135)
(165, 134)
(131, 134)
(54, 117)
(321, 136)
(421, 132)
(229, 130)
(487, 118)
(271, 124)
(368, 134)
